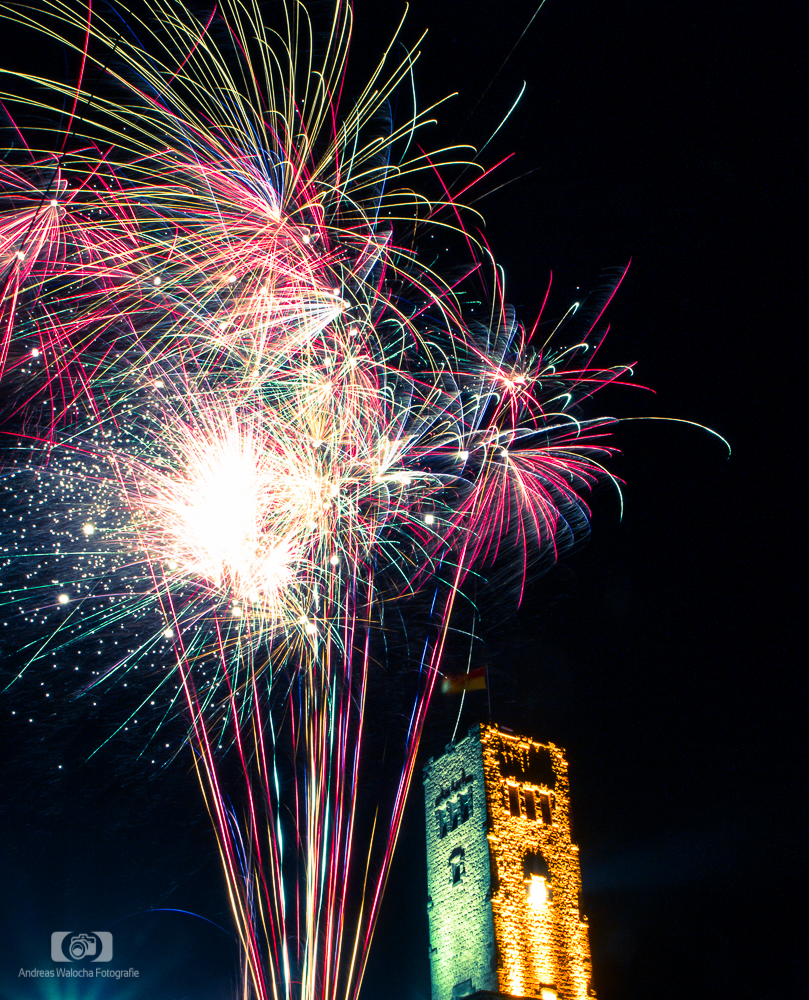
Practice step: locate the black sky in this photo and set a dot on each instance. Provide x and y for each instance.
(664, 655)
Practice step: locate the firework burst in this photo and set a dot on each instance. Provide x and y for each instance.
(267, 423)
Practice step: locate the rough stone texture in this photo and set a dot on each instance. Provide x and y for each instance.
(503, 880)
(462, 948)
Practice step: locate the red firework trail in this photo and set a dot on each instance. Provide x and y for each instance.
(267, 423)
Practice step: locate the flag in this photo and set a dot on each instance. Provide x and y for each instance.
(474, 680)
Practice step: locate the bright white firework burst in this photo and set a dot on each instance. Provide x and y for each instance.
(268, 420)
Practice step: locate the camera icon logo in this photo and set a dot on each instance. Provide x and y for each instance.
(96, 945)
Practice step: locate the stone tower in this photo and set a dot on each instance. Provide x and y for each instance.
(503, 876)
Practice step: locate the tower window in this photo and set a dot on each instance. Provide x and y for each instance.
(513, 800)
(457, 867)
(545, 805)
(538, 888)
(530, 805)
(539, 893)
(453, 813)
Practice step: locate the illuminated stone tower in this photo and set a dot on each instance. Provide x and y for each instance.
(503, 876)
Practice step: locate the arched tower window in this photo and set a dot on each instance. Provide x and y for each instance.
(457, 866)
(538, 888)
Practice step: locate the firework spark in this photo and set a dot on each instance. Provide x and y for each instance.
(267, 422)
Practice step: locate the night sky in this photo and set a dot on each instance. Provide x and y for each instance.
(662, 655)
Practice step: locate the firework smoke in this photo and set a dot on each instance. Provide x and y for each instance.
(267, 422)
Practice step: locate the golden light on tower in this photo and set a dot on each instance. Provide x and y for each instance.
(503, 874)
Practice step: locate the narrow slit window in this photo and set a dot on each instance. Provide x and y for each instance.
(545, 804)
(465, 803)
(457, 867)
(530, 805)
(514, 800)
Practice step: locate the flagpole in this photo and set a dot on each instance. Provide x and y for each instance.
(488, 690)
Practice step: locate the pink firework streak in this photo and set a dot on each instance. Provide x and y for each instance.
(268, 424)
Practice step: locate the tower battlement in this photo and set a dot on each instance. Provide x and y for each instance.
(503, 875)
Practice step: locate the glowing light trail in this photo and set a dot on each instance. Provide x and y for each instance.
(266, 423)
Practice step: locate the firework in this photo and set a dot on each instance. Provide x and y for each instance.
(267, 423)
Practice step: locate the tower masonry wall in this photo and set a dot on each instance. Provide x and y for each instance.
(503, 874)
(542, 940)
(462, 945)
